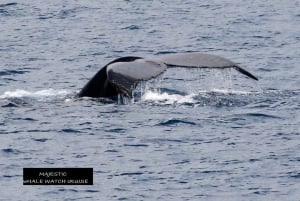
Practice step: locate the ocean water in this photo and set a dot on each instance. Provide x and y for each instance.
(187, 135)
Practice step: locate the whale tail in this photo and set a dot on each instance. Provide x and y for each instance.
(122, 75)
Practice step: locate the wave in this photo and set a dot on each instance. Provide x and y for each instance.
(192, 98)
(230, 91)
(212, 97)
(39, 95)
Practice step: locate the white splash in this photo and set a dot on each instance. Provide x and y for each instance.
(168, 98)
(165, 98)
(46, 93)
(230, 91)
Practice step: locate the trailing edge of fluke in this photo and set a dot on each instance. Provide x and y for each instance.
(121, 75)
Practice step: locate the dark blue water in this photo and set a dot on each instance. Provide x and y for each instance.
(201, 135)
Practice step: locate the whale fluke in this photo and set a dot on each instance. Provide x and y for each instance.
(201, 60)
(125, 75)
(121, 75)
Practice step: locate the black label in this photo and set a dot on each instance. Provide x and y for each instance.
(57, 176)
